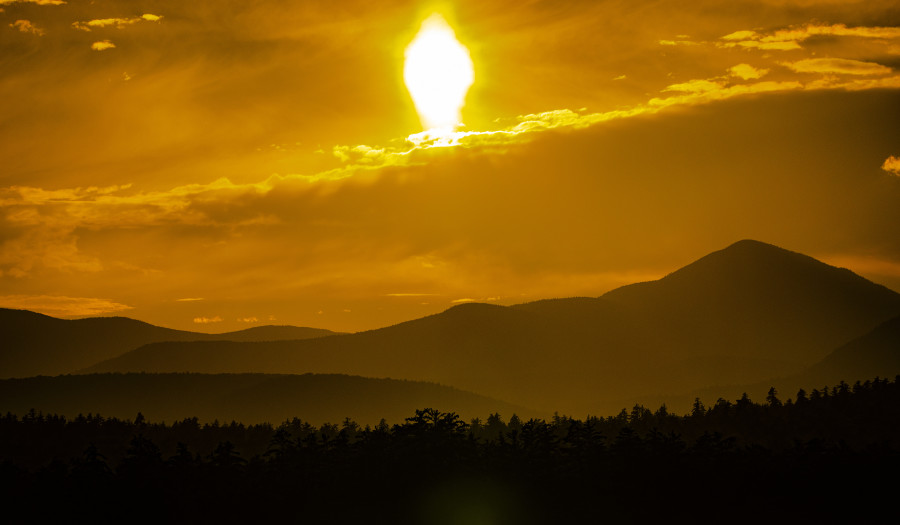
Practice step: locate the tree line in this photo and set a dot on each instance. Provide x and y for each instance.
(816, 454)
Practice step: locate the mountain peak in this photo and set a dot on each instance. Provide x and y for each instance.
(752, 246)
(755, 266)
(764, 293)
(752, 252)
(752, 243)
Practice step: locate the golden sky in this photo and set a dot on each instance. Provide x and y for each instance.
(213, 165)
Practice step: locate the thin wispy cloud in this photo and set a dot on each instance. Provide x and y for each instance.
(792, 38)
(25, 26)
(841, 66)
(117, 23)
(747, 72)
(37, 2)
(63, 306)
(102, 45)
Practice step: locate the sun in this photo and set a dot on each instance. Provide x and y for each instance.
(438, 72)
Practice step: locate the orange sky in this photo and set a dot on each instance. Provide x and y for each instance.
(214, 165)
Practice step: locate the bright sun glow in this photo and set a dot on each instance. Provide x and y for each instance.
(438, 72)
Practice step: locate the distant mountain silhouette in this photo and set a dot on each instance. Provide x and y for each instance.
(755, 299)
(37, 344)
(247, 398)
(737, 316)
(875, 354)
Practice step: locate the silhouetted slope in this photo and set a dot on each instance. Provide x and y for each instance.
(746, 313)
(467, 345)
(271, 333)
(36, 344)
(755, 299)
(248, 398)
(875, 354)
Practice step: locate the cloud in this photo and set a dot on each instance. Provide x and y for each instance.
(679, 43)
(841, 66)
(114, 206)
(472, 300)
(804, 32)
(768, 46)
(247, 320)
(856, 84)
(892, 165)
(117, 23)
(360, 154)
(695, 86)
(207, 320)
(52, 217)
(25, 26)
(790, 38)
(102, 45)
(189, 299)
(747, 72)
(742, 35)
(52, 247)
(38, 2)
(62, 306)
(52, 223)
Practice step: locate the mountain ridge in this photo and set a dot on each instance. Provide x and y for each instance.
(39, 344)
(738, 315)
(873, 354)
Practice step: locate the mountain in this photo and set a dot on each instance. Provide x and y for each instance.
(757, 299)
(248, 398)
(737, 316)
(36, 344)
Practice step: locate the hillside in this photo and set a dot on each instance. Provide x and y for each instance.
(248, 398)
(37, 344)
(737, 316)
(874, 354)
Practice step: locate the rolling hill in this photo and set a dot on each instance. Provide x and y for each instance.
(37, 344)
(740, 315)
(248, 398)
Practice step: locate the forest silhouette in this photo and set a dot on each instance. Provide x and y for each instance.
(810, 458)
